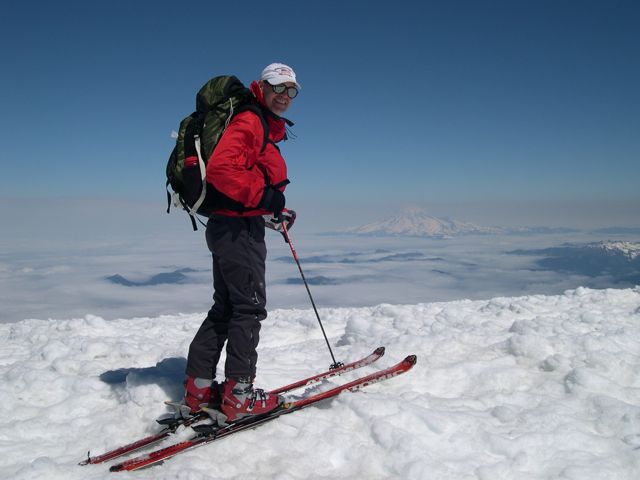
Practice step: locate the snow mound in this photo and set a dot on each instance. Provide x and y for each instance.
(533, 387)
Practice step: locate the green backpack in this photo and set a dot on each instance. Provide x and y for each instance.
(216, 103)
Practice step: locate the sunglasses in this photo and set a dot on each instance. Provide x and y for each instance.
(292, 92)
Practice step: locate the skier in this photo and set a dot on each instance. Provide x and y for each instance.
(243, 171)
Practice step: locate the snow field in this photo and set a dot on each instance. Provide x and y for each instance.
(535, 387)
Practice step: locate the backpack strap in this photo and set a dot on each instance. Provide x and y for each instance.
(265, 127)
(284, 182)
(257, 109)
(192, 211)
(203, 175)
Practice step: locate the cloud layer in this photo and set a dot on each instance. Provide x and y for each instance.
(138, 274)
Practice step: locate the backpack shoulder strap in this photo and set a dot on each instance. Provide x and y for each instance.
(257, 109)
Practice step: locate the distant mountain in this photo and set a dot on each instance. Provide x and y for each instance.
(620, 261)
(629, 250)
(416, 222)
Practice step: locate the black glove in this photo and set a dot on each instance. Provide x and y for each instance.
(272, 200)
(288, 217)
(274, 222)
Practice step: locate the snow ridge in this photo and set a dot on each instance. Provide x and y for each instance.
(531, 387)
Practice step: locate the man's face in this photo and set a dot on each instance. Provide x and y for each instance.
(278, 103)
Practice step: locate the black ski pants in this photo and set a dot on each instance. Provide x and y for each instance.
(239, 253)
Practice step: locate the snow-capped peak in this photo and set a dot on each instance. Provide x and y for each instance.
(416, 222)
(627, 249)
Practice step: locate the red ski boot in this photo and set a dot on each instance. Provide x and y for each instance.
(240, 399)
(197, 393)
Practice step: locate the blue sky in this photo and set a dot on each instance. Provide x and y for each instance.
(500, 112)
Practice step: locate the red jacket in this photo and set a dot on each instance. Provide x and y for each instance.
(238, 169)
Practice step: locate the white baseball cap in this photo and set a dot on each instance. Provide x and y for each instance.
(278, 73)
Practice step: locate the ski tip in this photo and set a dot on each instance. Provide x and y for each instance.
(411, 359)
(379, 351)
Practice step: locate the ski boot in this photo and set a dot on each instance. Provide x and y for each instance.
(240, 400)
(199, 394)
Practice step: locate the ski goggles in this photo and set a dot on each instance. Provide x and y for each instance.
(292, 92)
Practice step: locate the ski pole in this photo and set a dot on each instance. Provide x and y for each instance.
(285, 232)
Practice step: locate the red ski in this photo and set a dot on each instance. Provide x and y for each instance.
(171, 425)
(208, 433)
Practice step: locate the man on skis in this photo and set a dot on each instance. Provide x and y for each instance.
(253, 173)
